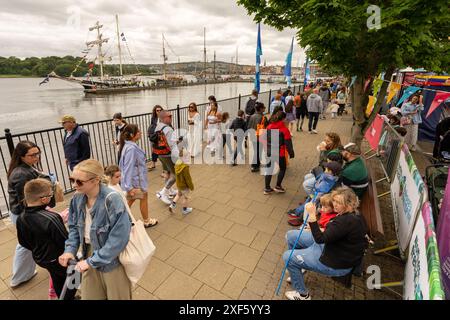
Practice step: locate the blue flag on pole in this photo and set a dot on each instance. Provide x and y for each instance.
(287, 68)
(307, 72)
(258, 60)
(409, 91)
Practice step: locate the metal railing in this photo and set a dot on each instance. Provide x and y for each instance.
(101, 139)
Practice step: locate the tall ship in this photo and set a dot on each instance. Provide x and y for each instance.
(106, 84)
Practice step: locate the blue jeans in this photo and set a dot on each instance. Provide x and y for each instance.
(23, 263)
(306, 257)
(299, 210)
(308, 184)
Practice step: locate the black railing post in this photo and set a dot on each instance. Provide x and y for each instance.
(178, 117)
(239, 104)
(9, 140)
(270, 96)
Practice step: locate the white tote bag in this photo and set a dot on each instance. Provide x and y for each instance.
(138, 252)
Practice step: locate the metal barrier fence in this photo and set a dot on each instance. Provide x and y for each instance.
(101, 133)
(389, 150)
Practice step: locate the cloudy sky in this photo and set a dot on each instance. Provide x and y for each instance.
(48, 27)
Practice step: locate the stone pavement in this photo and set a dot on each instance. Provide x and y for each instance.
(230, 246)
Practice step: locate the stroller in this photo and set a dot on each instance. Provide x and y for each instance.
(436, 179)
(441, 150)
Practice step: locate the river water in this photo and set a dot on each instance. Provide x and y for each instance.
(25, 106)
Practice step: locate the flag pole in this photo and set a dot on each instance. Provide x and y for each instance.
(258, 59)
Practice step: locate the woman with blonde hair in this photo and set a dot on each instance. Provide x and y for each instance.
(334, 252)
(98, 222)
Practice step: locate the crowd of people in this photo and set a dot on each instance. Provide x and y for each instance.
(98, 221)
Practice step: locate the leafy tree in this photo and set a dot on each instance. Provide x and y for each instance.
(335, 33)
(64, 69)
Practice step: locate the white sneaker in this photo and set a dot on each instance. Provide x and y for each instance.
(172, 193)
(315, 131)
(164, 198)
(172, 207)
(294, 295)
(187, 211)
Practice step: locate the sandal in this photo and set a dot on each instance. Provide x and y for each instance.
(152, 223)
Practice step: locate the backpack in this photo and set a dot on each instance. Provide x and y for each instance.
(250, 108)
(159, 141)
(151, 130)
(260, 126)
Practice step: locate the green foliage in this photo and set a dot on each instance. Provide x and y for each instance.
(62, 66)
(413, 33)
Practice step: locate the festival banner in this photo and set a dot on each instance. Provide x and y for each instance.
(370, 105)
(258, 60)
(287, 67)
(439, 98)
(367, 83)
(407, 193)
(377, 86)
(352, 82)
(307, 72)
(443, 236)
(393, 89)
(373, 134)
(409, 78)
(409, 91)
(422, 271)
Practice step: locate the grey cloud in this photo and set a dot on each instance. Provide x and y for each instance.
(39, 28)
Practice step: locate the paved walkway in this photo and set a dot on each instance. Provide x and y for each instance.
(229, 247)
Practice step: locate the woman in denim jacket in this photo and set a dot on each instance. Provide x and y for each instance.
(99, 222)
(412, 110)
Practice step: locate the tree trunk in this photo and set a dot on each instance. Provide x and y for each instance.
(358, 99)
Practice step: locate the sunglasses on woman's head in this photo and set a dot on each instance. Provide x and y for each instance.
(79, 182)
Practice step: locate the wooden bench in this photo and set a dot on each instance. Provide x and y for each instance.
(370, 210)
(370, 207)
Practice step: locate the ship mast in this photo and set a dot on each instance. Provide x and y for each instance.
(214, 64)
(164, 58)
(118, 44)
(98, 42)
(237, 57)
(204, 51)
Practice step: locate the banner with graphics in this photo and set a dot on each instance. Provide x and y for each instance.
(422, 271)
(443, 235)
(407, 192)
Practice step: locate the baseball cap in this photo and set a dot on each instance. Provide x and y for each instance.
(334, 166)
(67, 118)
(352, 148)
